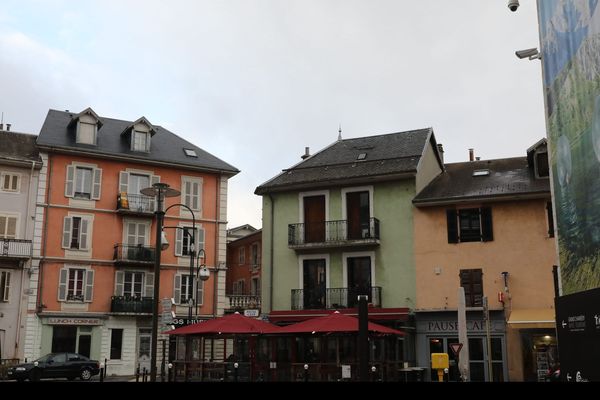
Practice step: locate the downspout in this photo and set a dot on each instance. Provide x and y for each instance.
(45, 234)
(217, 229)
(271, 253)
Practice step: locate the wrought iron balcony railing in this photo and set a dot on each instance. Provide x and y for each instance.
(135, 203)
(333, 298)
(133, 254)
(15, 248)
(333, 233)
(131, 304)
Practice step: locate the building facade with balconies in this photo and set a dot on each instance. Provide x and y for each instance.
(98, 251)
(339, 224)
(243, 274)
(20, 166)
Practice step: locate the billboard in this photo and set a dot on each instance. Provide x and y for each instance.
(570, 44)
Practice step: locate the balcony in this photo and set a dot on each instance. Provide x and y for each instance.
(329, 234)
(15, 248)
(125, 254)
(333, 298)
(130, 304)
(135, 204)
(240, 301)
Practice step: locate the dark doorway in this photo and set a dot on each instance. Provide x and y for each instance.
(85, 342)
(314, 219)
(359, 279)
(64, 339)
(358, 214)
(314, 284)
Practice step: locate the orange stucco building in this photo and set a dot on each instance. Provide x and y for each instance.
(487, 226)
(96, 274)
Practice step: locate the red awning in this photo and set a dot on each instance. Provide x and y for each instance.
(334, 322)
(375, 314)
(228, 324)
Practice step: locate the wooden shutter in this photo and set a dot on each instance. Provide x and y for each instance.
(96, 183)
(472, 281)
(123, 181)
(452, 223)
(119, 278)
(149, 289)
(487, 231)
(177, 289)
(69, 181)
(89, 285)
(178, 241)
(66, 240)
(84, 234)
(62, 284)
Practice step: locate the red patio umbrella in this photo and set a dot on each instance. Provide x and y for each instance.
(229, 324)
(334, 322)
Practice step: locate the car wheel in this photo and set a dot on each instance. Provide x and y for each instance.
(85, 375)
(35, 375)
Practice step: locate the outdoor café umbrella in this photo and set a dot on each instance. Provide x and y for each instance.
(334, 322)
(228, 324)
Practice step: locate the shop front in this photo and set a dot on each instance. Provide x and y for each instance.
(437, 331)
(72, 334)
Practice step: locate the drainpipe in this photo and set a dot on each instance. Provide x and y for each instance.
(217, 229)
(271, 251)
(45, 233)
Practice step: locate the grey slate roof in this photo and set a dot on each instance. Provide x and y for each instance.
(509, 177)
(166, 147)
(386, 156)
(18, 147)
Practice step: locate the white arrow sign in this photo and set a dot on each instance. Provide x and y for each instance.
(563, 323)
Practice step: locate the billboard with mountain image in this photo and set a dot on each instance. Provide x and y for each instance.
(570, 43)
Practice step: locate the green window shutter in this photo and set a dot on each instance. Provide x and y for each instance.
(451, 218)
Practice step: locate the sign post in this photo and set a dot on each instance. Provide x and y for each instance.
(456, 347)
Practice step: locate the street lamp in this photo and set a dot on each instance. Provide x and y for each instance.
(159, 191)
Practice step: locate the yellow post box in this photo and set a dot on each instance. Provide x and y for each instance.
(440, 362)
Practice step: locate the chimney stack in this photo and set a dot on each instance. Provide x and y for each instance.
(8, 127)
(306, 153)
(441, 152)
(471, 155)
(1, 126)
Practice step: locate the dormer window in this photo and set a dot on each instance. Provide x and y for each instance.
(86, 125)
(542, 169)
(140, 141)
(86, 133)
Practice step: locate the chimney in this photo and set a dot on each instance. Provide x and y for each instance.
(471, 155)
(8, 127)
(1, 126)
(306, 153)
(441, 152)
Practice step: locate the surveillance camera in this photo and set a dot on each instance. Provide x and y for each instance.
(531, 53)
(513, 5)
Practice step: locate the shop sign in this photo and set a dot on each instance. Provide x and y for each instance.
(73, 321)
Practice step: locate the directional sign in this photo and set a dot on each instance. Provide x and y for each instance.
(455, 347)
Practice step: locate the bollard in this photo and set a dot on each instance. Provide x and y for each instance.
(305, 372)
(235, 371)
(374, 373)
(169, 378)
(105, 367)
(101, 372)
(137, 373)
(144, 375)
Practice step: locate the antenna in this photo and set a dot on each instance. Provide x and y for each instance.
(340, 132)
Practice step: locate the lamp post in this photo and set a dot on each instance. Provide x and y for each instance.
(160, 191)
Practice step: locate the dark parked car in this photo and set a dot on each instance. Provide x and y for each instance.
(56, 365)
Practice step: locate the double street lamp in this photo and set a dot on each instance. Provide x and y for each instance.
(160, 191)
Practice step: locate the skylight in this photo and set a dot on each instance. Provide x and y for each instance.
(361, 156)
(190, 152)
(481, 172)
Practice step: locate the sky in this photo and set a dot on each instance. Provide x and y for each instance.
(254, 82)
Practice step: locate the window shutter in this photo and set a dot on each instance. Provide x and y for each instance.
(178, 241)
(123, 181)
(149, 291)
(199, 292)
(89, 285)
(66, 241)
(200, 240)
(83, 234)
(11, 228)
(148, 137)
(154, 179)
(119, 283)
(196, 196)
(452, 226)
(97, 184)
(69, 187)
(62, 284)
(6, 294)
(177, 289)
(487, 231)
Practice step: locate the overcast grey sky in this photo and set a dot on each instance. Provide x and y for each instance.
(255, 81)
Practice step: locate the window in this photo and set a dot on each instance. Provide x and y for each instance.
(76, 284)
(242, 255)
(184, 287)
(255, 288)
(192, 193)
(481, 172)
(472, 281)
(541, 164)
(187, 289)
(83, 182)
(239, 287)
(255, 255)
(470, 225)
(116, 343)
(86, 133)
(10, 182)
(190, 152)
(4, 286)
(8, 227)
(550, 219)
(76, 233)
(183, 240)
(140, 141)
(133, 284)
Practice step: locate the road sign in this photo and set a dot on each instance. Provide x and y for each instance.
(455, 347)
